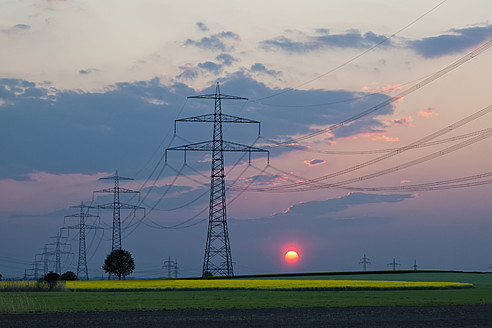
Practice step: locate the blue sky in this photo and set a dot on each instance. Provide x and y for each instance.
(89, 88)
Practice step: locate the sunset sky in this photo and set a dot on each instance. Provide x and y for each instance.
(91, 87)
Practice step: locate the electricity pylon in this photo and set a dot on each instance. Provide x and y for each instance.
(364, 261)
(394, 264)
(57, 252)
(172, 266)
(45, 259)
(82, 271)
(217, 260)
(117, 206)
(415, 266)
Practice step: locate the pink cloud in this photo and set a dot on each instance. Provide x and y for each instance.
(45, 192)
(314, 162)
(428, 113)
(403, 121)
(385, 138)
(405, 181)
(376, 136)
(381, 89)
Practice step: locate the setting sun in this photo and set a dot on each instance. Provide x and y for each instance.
(291, 257)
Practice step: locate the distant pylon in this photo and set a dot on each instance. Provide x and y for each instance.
(172, 266)
(117, 206)
(45, 259)
(82, 271)
(58, 252)
(415, 266)
(218, 259)
(394, 264)
(364, 261)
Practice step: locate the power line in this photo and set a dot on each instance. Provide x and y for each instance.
(317, 182)
(356, 57)
(478, 51)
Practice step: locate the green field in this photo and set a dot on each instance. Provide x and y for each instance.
(16, 302)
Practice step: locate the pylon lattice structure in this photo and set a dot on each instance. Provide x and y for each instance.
(217, 260)
(58, 252)
(364, 261)
(394, 264)
(45, 259)
(117, 206)
(82, 271)
(172, 266)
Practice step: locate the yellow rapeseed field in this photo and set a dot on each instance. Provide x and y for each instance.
(258, 284)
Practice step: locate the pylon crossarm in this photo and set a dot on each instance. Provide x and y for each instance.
(209, 146)
(122, 206)
(224, 118)
(115, 177)
(217, 96)
(78, 216)
(120, 190)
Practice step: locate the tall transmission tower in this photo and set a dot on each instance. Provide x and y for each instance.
(82, 271)
(364, 261)
(394, 264)
(57, 252)
(217, 260)
(45, 259)
(415, 266)
(172, 267)
(117, 206)
(35, 269)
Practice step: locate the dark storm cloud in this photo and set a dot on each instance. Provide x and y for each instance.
(454, 41)
(316, 209)
(66, 131)
(260, 68)
(308, 43)
(215, 42)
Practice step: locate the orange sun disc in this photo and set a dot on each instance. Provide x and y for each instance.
(291, 257)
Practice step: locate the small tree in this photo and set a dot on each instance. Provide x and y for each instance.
(52, 279)
(119, 262)
(69, 275)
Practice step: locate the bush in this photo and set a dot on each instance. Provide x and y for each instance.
(69, 275)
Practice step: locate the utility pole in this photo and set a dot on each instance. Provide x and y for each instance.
(82, 271)
(172, 266)
(58, 252)
(117, 206)
(415, 266)
(394, 264)
(218, 259)
(364, 261)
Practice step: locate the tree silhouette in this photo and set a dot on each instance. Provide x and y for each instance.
(69, 275)
(52, 279)
(119, 262)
